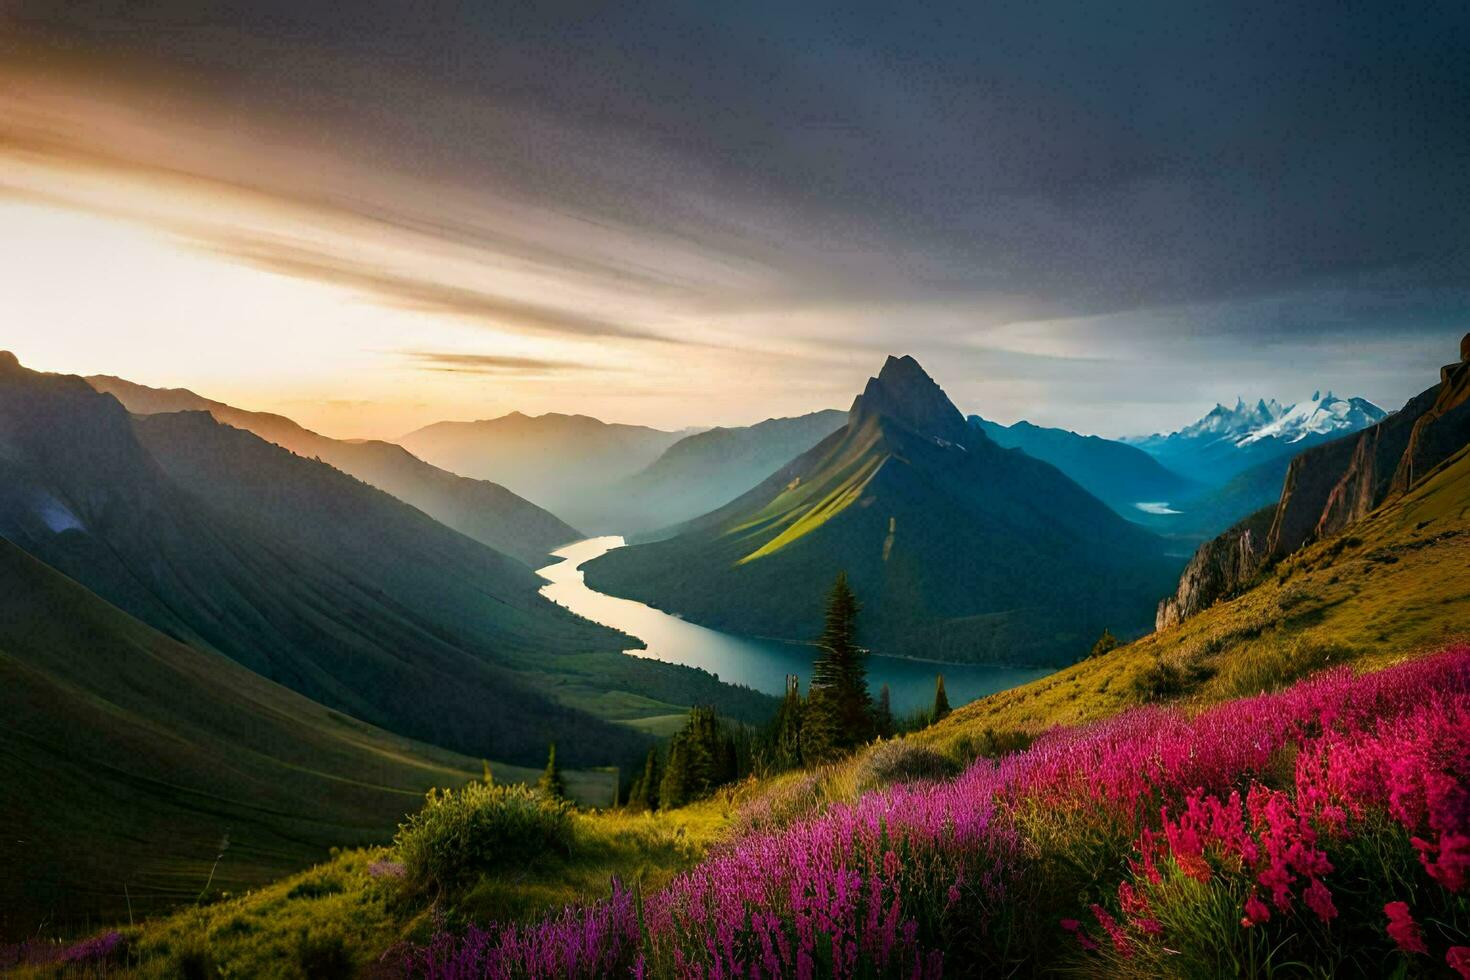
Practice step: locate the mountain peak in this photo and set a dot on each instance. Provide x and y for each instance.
(9, 363)
(904, 391)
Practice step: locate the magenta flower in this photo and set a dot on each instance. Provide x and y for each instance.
(1402, 928)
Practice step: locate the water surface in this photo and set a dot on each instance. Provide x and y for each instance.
(757, 663)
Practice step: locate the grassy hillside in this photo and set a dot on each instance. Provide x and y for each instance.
(1394, 583)
(708, 469)
(127, 757)
(485, 511)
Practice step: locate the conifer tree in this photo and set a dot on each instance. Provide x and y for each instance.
(941, 700)
(550, 784)
(644, 793)
(883, 715)
(673, 788)
(839, 711)
(786, 728)
(1105, 643)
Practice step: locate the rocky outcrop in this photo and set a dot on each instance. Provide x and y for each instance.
(1218, 568)
(1329, 487)
(1440, 431)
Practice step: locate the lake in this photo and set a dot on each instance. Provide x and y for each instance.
(753, 662)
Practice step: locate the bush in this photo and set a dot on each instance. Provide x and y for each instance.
(324, 956)
(1166, 679)
(457, 836)
(901, 761)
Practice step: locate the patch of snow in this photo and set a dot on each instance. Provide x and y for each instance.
(55, 515)
(1158, 507)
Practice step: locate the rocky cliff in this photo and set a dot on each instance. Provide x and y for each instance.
(1329, 487)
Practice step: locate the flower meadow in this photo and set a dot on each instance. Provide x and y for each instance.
(1327, 825)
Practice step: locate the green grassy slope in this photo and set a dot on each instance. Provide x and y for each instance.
(485, 511)
(1399, 580)
(708, 469)
(958, 548)
(126, 757)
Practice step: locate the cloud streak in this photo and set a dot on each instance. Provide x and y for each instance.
(424, 294)
(494, 364)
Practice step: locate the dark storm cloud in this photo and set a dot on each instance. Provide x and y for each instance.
(1159, 172)
(1108, 158)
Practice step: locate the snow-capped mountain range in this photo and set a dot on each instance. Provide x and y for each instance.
(1323, 415)
(1228, 440)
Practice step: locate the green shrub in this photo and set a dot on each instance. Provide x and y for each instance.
(324, 956)
(458, 836)
(1171, 678)
(901, 761)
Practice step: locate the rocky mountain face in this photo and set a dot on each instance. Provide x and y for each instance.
(485, 511)
(1329, 487)
(958, 548)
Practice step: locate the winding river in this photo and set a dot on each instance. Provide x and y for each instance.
(757, 663)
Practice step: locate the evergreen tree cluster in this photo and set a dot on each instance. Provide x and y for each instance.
(836, 716)
(704, 755)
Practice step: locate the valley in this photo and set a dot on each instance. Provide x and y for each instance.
(751, 662)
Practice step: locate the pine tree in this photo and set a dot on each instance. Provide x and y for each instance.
(644, 793)
(883, 716)
(786, 735)
(839, 709)
(941, 700)
(1105, 643)
(673, 788)
(550, 784)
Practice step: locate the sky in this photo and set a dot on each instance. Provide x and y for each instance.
(375, 215)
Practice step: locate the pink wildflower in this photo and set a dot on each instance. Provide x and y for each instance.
(1402, 928)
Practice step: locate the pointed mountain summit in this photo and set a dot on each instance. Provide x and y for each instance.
(903, 392)
(958, 548)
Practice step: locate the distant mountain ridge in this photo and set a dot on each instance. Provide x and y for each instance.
(485, 511)
(565, 463)
(1118, 474)
(1330, 486)
(959, 549)
(703, 471)
(1228, 441)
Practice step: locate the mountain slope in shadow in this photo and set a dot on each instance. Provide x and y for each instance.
(296, 570)
(485, 511)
